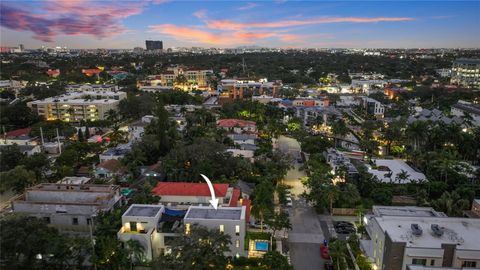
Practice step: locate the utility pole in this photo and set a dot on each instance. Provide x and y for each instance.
(58, 141)
(4, 134)
(41, 136)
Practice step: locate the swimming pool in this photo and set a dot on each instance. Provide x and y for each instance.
(262, 246)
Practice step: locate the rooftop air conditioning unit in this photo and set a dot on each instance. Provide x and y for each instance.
(437, 230)
(416, 229)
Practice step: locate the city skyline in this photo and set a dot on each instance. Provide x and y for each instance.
(284, 24)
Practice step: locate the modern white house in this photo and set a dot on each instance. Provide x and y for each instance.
(404, 236)
(228, 220)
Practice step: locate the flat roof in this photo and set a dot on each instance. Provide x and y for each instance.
(138, 210)
(406, 211)
(396, 167)
(207, 212)
(463, 232)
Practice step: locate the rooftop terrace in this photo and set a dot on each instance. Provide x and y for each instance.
(143, 210)
(225, 213)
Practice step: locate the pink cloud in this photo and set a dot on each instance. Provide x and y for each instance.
(249, 5)
(201, 14)
(68, 17)
(189, 34)
(227, 24)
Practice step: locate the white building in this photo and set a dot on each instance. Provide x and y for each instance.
(390, 171)
(140, 222)
(91, 87)
(404, 236)
(373, 107)
(77, 106)
(228, 220)
(67, 207)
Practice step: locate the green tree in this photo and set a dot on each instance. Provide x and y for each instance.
(262, 204)
(17, 179)
(338, 252)
(199, 249)
(273, 260)
(279, 221)
(135, 251)
(38, 163)
(10, 156)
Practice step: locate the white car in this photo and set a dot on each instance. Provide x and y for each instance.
(289, 204)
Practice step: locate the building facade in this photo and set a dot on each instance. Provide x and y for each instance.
(78, 106)
(466, 72)
(68, 207)
(152, 45)
(405, 236)
(228, 220)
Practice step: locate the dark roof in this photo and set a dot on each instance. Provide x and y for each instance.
(469, 108)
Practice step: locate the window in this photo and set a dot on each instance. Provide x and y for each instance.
(46, 219)
(419, 261)
(74, 221)
(432, 262)
(237, 243)
(133, 226)
(222, 228)
(237, 230)
(469, 264)
(187, 228)
(89, 221)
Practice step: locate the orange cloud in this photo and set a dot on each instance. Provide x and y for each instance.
(227, 24)
(224, 38)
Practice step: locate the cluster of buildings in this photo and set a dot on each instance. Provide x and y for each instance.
(236, 89)
(177, 77)
(243, 133)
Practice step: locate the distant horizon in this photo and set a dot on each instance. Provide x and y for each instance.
(92, 24)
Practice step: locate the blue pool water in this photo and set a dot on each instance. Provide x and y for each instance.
(263, 246)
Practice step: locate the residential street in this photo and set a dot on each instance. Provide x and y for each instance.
(306, 234)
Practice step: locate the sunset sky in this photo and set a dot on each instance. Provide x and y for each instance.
(296, 24)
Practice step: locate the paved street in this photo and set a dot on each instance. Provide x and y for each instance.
(306, 234)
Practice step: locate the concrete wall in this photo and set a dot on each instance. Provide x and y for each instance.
(189, 199)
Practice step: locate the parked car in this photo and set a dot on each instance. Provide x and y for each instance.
(257, 225)
(324, 252)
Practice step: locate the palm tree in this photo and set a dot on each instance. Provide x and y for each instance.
(402, 177)
(338, 251)
(262, 203)
(339, 129)
(416, 132)
(135, 251)
(331, 194)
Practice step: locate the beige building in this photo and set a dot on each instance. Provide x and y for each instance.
(405, 236)
(77, 106)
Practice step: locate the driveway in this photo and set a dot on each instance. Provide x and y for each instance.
(306, 235)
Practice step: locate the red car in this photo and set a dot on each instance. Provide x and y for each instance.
(324, 252)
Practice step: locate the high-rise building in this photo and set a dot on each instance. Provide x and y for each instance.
(154, 45)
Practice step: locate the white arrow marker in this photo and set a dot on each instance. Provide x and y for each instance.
(213, 201)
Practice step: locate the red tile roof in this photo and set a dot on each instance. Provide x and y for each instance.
(18, 132)
(248, 204)
(234, 198)
(188, 189)
(235, 123)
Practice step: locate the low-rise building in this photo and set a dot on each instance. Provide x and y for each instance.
(311, 115)
(228, 220)
(27, 150)
(467, 110)
(311, 102)
(117, 152)
(109, 169)
(68, 207)
(373, 107)
(338, 160)
(395, 171)
(474, 212)
(237, 126)
(18, 137)
(420, 237)
(232, 89)
(175, 193)
(78, 106)
(91, 87)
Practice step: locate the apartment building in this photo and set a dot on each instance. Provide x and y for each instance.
(195, 78)
(68, 207)
(466, 72)
(78, 106)
(310, 115)
(311, 102)
(406, 236)
(91, 87)
(231, 89)
(228, 220)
